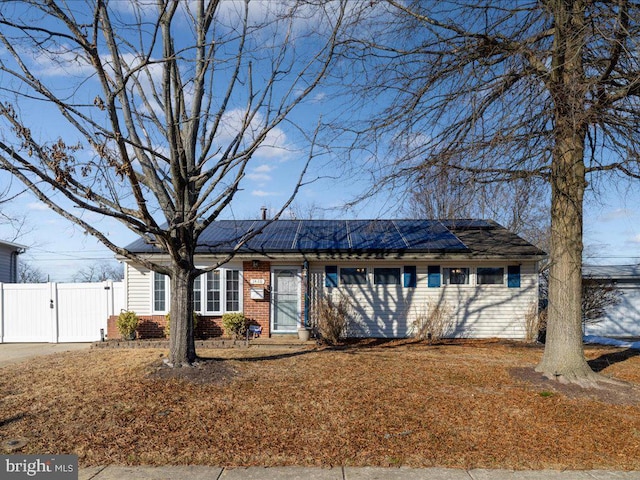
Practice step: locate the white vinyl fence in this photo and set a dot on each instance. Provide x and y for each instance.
(57, 312)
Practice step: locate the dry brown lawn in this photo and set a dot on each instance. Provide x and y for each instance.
(462, 404)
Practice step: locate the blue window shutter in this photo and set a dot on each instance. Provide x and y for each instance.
(331, 276)
(434, 276)
(513, 276)
(410, 277)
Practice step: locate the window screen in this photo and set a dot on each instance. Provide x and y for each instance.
(456, 276)
(386, 276)
(490, 275)
(353, 276)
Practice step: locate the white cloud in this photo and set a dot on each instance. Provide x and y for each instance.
(61, 62)
(259, 177)
(261, 173)
(262, 193)
(143, 7)
(264, 168)
(616, 214)
(39, 206)
(635, 239)
(319, 97)
(274, 145)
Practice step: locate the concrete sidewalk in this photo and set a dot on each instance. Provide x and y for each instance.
(17, 352)
(339, 473)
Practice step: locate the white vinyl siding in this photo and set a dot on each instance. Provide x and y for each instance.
(7, 264)
(139, 283)
(622, 319)
(477, 311)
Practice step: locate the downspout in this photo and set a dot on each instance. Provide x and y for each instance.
(13, 265)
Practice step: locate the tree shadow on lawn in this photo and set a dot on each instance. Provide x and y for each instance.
(611, 358)
(215, 370)
(622, 393)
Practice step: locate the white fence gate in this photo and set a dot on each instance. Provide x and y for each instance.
(57, 312)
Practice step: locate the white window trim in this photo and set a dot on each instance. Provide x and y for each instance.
(367, 272)
(167, 293)
(473, 276)
(443, 276)
(383, 285)
(203, 293)
(491, 285)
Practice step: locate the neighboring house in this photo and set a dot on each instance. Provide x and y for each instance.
(393, 271)
(622, 319)
(9, 261)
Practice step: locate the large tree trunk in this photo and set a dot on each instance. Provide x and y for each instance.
(563, 357)
(182, 351)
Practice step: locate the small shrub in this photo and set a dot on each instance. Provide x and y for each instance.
(434, 322)
(542, 325)
(532, 323)
(127, 323)
(167, 327)
(333, 318)
(234, 324)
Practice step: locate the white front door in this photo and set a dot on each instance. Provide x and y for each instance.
(285, 298)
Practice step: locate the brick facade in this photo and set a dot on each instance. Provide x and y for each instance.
(152, 326)
(257, 312)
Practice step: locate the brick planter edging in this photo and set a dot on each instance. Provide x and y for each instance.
(218, 343)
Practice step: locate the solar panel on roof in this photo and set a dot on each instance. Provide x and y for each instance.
(322, 235)
(225, 234)
(428, 235)
(276, 236)
(329, 235)
(375, 234)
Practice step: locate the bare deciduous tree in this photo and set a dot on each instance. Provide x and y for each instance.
(28, 273)
(502, 91)
(520, 206)
(99, 272)
(597, 296)
(152, 112)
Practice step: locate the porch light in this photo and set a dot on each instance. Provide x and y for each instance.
(255, 263)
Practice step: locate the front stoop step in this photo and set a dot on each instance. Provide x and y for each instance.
(281, 341)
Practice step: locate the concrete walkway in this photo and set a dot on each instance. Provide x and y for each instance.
(339, 473)
(17, 352)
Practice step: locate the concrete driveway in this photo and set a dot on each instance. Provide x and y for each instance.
(18, 352)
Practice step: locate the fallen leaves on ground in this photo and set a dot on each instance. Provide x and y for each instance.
(460, 404)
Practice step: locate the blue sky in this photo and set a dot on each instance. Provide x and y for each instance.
(59, 249)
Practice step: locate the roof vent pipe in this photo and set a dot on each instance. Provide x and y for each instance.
(264, 212)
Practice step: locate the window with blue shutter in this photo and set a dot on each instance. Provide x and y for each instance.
(330, 276)
(513, 276)
(410, 277)
(433, 276)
